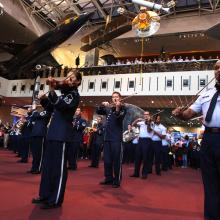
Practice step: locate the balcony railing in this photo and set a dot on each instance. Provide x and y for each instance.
(149, 68)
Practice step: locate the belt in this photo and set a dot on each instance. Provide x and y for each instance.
(212, 130)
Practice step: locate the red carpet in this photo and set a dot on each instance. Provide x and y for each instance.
(176, 195)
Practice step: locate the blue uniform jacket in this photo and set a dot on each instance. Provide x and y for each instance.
(114, 122)
(27, 127)
(79, 125)
(98, 136)
(61, 127)
(39, 123)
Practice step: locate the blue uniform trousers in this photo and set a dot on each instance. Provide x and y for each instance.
(95, 154)
(165, 157)
(113, 154)
(54, 172)
(210, 167)
(157, 152)
(141, 153)
(72, 154)
(37, 149)
(24, 148)
(127, 152)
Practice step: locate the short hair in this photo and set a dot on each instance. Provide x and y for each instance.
(115, 92)
(77, 74)
(156, 116)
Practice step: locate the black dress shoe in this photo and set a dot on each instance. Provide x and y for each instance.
(50, 206)
(39, 201)
(115, 185)
(22, 161)
(71, 168)
(106, 182)
(93, 166)
(35, 172)
(29, 171)
(144, 177)
(134, 175)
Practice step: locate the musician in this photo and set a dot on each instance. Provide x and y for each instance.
(166, 143)
(159, 133)
(79, 124)
(25, 131)
(39, 120)
(59, 136)
(144, 143)
(209, 105)
(128, 137)
(97, 142)
(113, 139)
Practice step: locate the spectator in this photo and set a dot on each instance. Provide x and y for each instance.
(128, 62)
(186, 59)
(180, 59)
(193, 58)
(155, 60)
(201, 58)
(173, 59)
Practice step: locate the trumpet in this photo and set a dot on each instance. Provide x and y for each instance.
(20, 125)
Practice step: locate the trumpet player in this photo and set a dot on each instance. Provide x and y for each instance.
(113, 152)
(25, 131)
(39, 121)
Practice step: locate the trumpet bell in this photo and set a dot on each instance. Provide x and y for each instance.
(38, 67)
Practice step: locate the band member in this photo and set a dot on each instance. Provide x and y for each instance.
(25, 130)
(39, 130)
(144, 143)
(166, 143)
(97, 143)
(209, 105)
(59, 136)
(128, 136)
(159, 133)
(113, 139)
(79, 125)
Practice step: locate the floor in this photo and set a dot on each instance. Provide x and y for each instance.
(176, 195)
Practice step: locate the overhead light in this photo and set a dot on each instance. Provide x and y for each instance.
(152, 101)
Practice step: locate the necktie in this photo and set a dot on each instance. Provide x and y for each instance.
(212, 107)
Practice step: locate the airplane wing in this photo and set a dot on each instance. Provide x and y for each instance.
(12, 48)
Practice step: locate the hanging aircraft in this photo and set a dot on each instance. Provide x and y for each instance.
(39, 50)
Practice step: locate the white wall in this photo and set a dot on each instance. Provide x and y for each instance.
(145, 84)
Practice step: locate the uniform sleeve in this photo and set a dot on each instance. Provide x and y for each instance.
(41, 115)
(100, 131)
(64, 102)
(82, 126)
(101, 110)
(46, 104)
(196, 106)
(164, 131)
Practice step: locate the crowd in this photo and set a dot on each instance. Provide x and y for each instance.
(173, 59)
(182, 152)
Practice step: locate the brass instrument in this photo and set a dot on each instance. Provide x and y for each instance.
(20, 125)
(130, 135)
